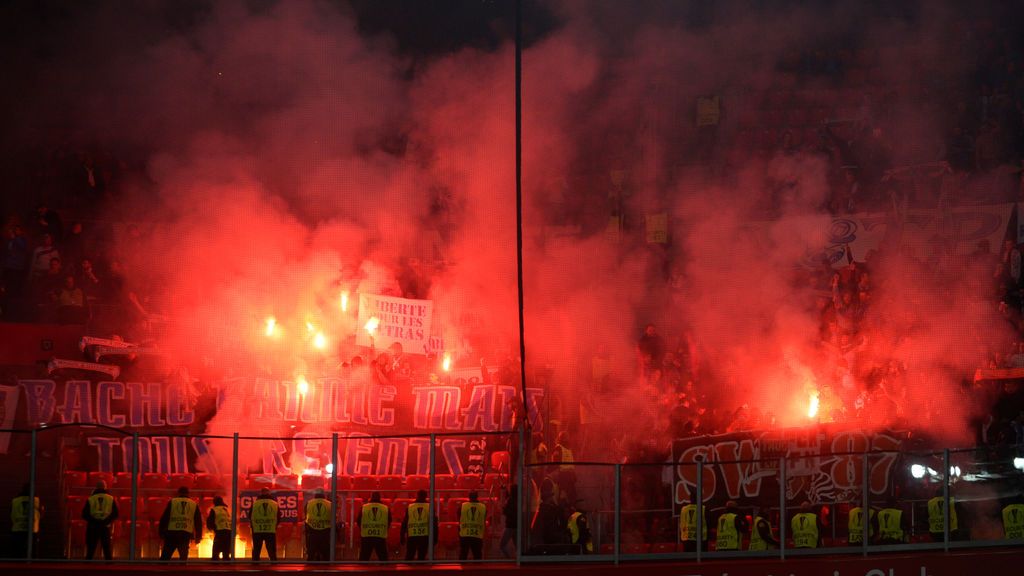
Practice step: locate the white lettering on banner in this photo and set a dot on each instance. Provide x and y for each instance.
(405, 321)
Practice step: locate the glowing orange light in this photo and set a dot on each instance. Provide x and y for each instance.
(446, 363)
(344, 301)
(271, 325)
(812, 405)
(309, 326)
(319, 341)
(371, 325)
(302, 386)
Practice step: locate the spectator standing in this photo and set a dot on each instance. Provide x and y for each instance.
(651, 348)
(806, 526)
(180, 523)
(19, 523)
(218, 521)
(374, 520)
(731, 528)
(511, 514)
(49, 222)
(893, 526)
(855, 526)
(70, 303)
(416, 528)
(319, 516)
(761, 537)
(688, 527)
(99, 513)
(16, 261)
(263, 517)
(42, 255)
(472, 518)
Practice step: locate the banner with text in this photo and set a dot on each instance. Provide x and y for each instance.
(400, 320)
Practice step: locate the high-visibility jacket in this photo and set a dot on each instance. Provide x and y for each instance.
(471, 520)
(318, 514)
(1013, 521)
(688, 523)
(183, 515)
(418, 519)
(728, 538)
(263, 516)
(935, 515)
(889, 527)
(855, 525)
(374, 520)
(805, 530)
(19, 515)
(221, 518)
(566, 458)
(101, 506)
(574, 531)
(756, 541)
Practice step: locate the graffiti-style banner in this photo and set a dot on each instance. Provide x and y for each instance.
(822, 465)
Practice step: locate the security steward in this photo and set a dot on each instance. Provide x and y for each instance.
(688, 527)
(319, 515)
(1013, 520)
(579, 532)
(893, 527)
(180, 523)
(855, 526)
(374, 521)
(936, 512)
(19, 523)
(416, 528)
(731, 527)
(471, 528)
(761, 537)
(99, 512)
(219, 522)
(806, 527)
(263, 517)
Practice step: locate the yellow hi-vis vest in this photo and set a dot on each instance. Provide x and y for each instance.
(318, 514)
(183, 515)
(688, 523)
(756, 542)
(374, 521)
(935, 515)
(1013, 521)
(263, 516)
(566, 457)
(889, 524)
(19, 515)
(471, 520)
(574, 531)
(101, 506)
(418, 519)
(221, 518)
(728, 537)
(855, 525)
(805, 530)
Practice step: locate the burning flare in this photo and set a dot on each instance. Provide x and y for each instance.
(446, 363)
(271, 325)
(301, 385)
(319, 341)
(371, 325)
(812, 405)
(344, 301)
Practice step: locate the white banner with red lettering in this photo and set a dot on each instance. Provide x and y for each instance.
(385, 320)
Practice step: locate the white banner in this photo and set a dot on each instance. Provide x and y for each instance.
(8, 408)
(400, 320)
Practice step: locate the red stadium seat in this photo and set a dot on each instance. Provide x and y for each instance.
(500, 460)
(607, 548)
(95, 477)
(286, 482)
(417, 482)
(391, 483)
(75, 505)
(208, 482)
(399, 507)
(444, 482)
(155, 507)
(493, 482)
(258, 481)
(75, 479)
(315, 482)
(368, 483)
(394, 536)
(123, 482)
(453, 508)
(178, 480)
(449, 534)
(663, 547)
(634, 548)
(155, 481)
(468, 481)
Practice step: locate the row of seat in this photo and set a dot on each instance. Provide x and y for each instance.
(117, 482)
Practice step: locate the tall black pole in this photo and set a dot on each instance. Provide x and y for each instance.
(519, 206)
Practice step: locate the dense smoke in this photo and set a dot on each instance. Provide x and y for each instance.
(291, 157)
